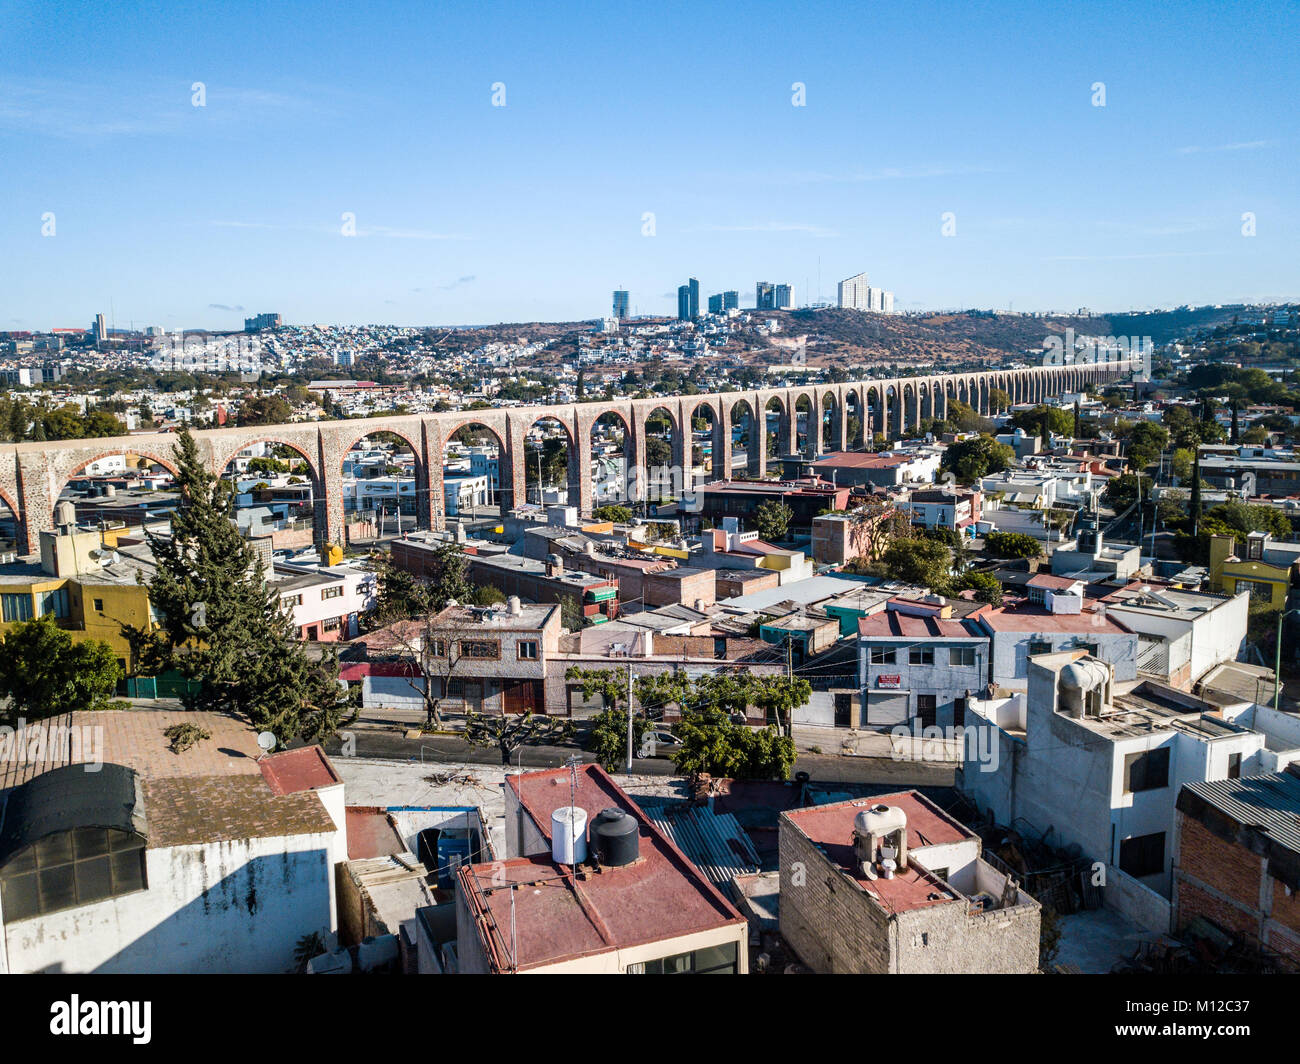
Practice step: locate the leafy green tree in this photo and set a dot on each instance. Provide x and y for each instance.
(608, 736)
(986, 586)
(920, 560)
(222, 625)
(264, 410)
(1057, 419)
(608, 684)
(772, 519)
(980, 456)
(712, 744)
(620, 515)
(1183, 460)
(399, 595)
(43, 673)
(1012, 545)
(1122, 491)
(1145, 442)
(999, 400)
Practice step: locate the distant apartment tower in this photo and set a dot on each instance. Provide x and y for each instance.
(688, 300)
(856, 294)
(731, 300)
(764, 296)
(715, 304)
(262, 321)
(620, 303)
(783, 297)
(100, 329)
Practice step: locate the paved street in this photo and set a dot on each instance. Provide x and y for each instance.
(393, 745)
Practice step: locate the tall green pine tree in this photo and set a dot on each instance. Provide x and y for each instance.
(221, 624)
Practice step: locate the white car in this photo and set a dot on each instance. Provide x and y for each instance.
(659, 744)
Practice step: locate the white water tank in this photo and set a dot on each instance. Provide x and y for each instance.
(569, 835)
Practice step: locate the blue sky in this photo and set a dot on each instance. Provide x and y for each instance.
(185, 216)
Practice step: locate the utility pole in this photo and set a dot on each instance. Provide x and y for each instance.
(629, 718)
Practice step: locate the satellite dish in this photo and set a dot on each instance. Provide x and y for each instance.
(266, 740)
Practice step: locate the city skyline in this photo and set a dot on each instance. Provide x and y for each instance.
(160, 211)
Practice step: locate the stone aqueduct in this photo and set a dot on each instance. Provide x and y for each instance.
(32, 475)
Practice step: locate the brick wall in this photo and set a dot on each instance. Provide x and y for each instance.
(835, 927)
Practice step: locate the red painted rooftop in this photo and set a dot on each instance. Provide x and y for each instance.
(558, 917)
(862, 460)
(893, 623)
(1037, 619)
(304, 769)
(831, 828)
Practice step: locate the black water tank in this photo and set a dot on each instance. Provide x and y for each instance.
(616, 837)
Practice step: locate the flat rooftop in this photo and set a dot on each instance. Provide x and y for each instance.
(830, 829)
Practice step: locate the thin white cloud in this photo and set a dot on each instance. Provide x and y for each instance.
(1244, 145)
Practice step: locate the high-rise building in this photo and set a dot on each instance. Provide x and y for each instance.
(100, 329)
(764, 296)
(856, 294)
(262, 321)
(688, 300)
(731, 300)
(715, 304)
(620, 303)
(783, 297)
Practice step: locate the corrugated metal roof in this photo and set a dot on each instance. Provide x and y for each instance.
(1270, 804)
(714, 842)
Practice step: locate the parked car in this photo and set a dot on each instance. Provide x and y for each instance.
(660, 743)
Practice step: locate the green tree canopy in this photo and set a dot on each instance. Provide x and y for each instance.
(712, 744)
(980, 456)
(43, 673)
(772, 519)
(1012, 545)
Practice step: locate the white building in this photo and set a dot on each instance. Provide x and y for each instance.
(217, 860)
(1102, 770)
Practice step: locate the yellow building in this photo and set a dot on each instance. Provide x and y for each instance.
(1265, 571)
(88, 582)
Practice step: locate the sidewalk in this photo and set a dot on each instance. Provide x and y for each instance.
(853, 742)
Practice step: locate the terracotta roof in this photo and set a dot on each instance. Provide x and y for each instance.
(188, 812)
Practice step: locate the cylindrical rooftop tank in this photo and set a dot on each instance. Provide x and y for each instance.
(879, 820)
(569, 835)
(616, 838)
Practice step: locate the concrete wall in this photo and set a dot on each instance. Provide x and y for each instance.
(835, 927)
(221, 908)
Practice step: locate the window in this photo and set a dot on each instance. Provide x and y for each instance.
(712, 960)
(1260, 590)
(962, 657)
(70, 869)
(99, 605)
(438, 648)
(882, 655)
(53, 603)
(920, 656)
(331, 592)
(292, 600)
(1037, 646)
(16, 607)
(480, 649)
(1234, 766)
(1143, 855)
(527, 650)
(1147, 770)
(331, 624)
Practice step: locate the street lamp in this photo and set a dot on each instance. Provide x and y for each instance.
(1277, 664)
